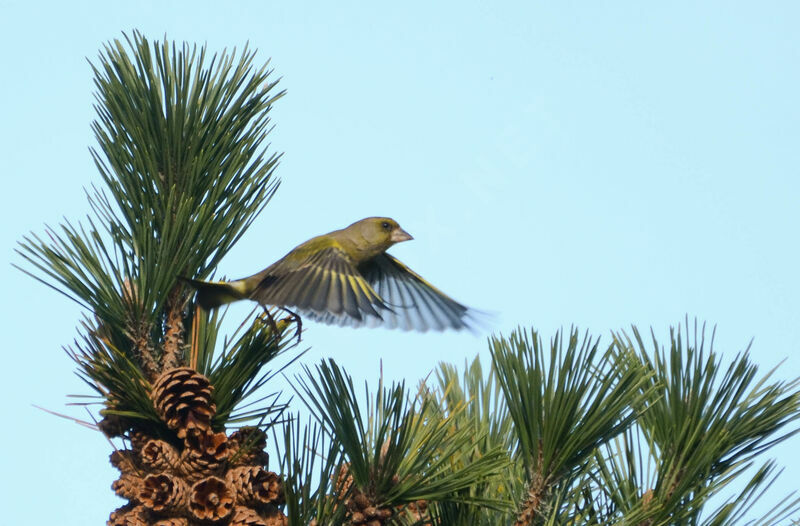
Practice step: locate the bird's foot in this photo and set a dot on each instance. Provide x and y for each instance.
(298, 320)
(271, 320)
(292, 316)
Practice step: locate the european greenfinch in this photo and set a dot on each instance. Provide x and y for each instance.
(346, 278)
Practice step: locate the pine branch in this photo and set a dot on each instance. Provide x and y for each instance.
(486, 415)
(239, 371)
(707, 423)
(310, 462)
(564, 403)
(399, 452)
(181, 152)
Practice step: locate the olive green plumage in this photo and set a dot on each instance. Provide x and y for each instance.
(346, 277)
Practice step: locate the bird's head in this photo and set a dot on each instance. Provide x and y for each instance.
(379, 233)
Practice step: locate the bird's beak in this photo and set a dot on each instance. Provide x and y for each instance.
(399, 235)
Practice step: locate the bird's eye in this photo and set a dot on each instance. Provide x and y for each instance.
(386, 226)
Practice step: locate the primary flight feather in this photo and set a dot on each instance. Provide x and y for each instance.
(346, 277)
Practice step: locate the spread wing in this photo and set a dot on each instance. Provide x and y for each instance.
(412, 302)
(324, 283)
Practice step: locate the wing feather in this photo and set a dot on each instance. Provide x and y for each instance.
(414, 303)
(324, 285)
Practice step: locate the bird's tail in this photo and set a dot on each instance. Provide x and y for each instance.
(212, 294)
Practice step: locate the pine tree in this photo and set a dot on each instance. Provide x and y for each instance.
(565, 433)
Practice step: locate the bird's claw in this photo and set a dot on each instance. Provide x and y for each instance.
(293, 315)
(299, 321)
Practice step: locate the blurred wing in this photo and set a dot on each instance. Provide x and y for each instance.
(413, 302)
(324, 284)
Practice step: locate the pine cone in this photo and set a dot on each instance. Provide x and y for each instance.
(255, 486)
(138, 440)
(162, 492)
(172, 521)
(128, 515)
(257, 458)
(375, 513)
(274, 517)
(182, 398)
(114, 425)
(211, 499)
(361, 510)
(247, 446)
(127, 486)
(205, 454)
(159, 456)
(119, 512)
(208, 444)
(194, 467)
(244, 516)
(124, 460)
(268, 516)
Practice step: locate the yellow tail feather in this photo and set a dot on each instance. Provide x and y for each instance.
(211, 294)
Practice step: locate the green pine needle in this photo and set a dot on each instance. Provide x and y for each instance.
(400, 449)
(565, 401)
(183, 156)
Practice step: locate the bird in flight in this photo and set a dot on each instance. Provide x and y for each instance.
(346, 278)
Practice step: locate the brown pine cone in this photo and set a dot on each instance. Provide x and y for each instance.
(247, 445)
(206, 443)
(127, 486)
(360, 500)
(255, 486)
(205, 454)
(138, 440)
(123, 460)
(159, 456)
(114, 425)
(211, 499)
(371, 514)
(274, 517)
(244, 516)
(172, 521)
(182, 398)
(195, 467)
(119, 512)
(272, 488)
(268, 516)
(362, 510)
(128, 515)
(163, 492)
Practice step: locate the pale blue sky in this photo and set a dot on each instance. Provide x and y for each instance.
(596, 164)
